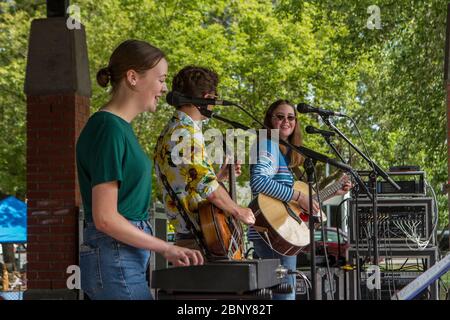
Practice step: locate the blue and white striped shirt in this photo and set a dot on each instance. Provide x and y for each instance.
(270, 175)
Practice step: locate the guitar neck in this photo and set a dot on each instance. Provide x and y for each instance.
(231, 172)
(329, 191)
(232, 181)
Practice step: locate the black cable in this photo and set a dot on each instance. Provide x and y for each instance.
(386, 262)
(392, 262)
(324, 239)
(404, 264)
(364, 145)
(246, 254)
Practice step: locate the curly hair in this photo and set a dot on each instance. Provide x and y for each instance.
(195, 81)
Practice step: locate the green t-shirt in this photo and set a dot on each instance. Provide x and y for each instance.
(108, 150)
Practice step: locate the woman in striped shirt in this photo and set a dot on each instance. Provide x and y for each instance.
(272, 176)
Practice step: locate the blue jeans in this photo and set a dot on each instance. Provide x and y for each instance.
(112, 270)
(263, 251)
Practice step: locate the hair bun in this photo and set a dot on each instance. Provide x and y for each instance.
(103, 77)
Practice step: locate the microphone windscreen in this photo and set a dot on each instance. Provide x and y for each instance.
(310, 129)
(303, 108)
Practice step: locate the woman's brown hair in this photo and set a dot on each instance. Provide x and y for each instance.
(295, 138)
(136, 55)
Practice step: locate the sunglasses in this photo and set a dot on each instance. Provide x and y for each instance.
(282, 117)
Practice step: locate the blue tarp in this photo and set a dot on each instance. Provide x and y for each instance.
(13, 221)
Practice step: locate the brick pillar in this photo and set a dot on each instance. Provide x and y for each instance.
(58, 88)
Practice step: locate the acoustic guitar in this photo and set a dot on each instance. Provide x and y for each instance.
(285, 226)
(222, 233)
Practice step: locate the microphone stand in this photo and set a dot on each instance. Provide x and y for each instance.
(332, 146)
(355, 195)
(310, 157)
(375, 167)
(373, 186)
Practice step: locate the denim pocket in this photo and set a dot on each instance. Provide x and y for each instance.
(91, 278)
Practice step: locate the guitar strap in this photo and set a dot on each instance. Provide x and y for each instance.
(192, 225)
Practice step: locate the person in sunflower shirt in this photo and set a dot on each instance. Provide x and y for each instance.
(189, 170)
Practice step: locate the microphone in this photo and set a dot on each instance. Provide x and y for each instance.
(325, 133)
(306, 108)
(176, 99)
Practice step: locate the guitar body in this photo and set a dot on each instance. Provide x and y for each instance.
(217, 230)
(222, 234)
(285, 234)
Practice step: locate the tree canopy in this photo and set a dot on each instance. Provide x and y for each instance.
(390, 80)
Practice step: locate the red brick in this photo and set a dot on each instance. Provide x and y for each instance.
(59, 195)
(38, 194)
(63, 177)
(49, 203)
(71, 257)
(56, 275)
(39, 247)
(44, 238)
(53, 221)
(63, 212)
(34, 220)
(36, 177)
(70, 220)
(53, 125)
(51, 256)
(39, 284)
(71, 239)
(63, 229)
(39, 212)
(59, 284)
(62, 247)
(38, 266)
(32, 238)
(32, 275)
(38, 229)
(32, 256)
(48, 186)
(59, 265)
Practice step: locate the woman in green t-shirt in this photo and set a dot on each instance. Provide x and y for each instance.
(114, 174)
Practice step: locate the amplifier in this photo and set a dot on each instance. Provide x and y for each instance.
(398, 268)
(326, 290)
(412, 184)
(396, 216)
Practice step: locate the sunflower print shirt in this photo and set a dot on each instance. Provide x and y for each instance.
(180, 155)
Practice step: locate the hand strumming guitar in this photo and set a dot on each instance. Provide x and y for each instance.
(244, 214)
(303, 202)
